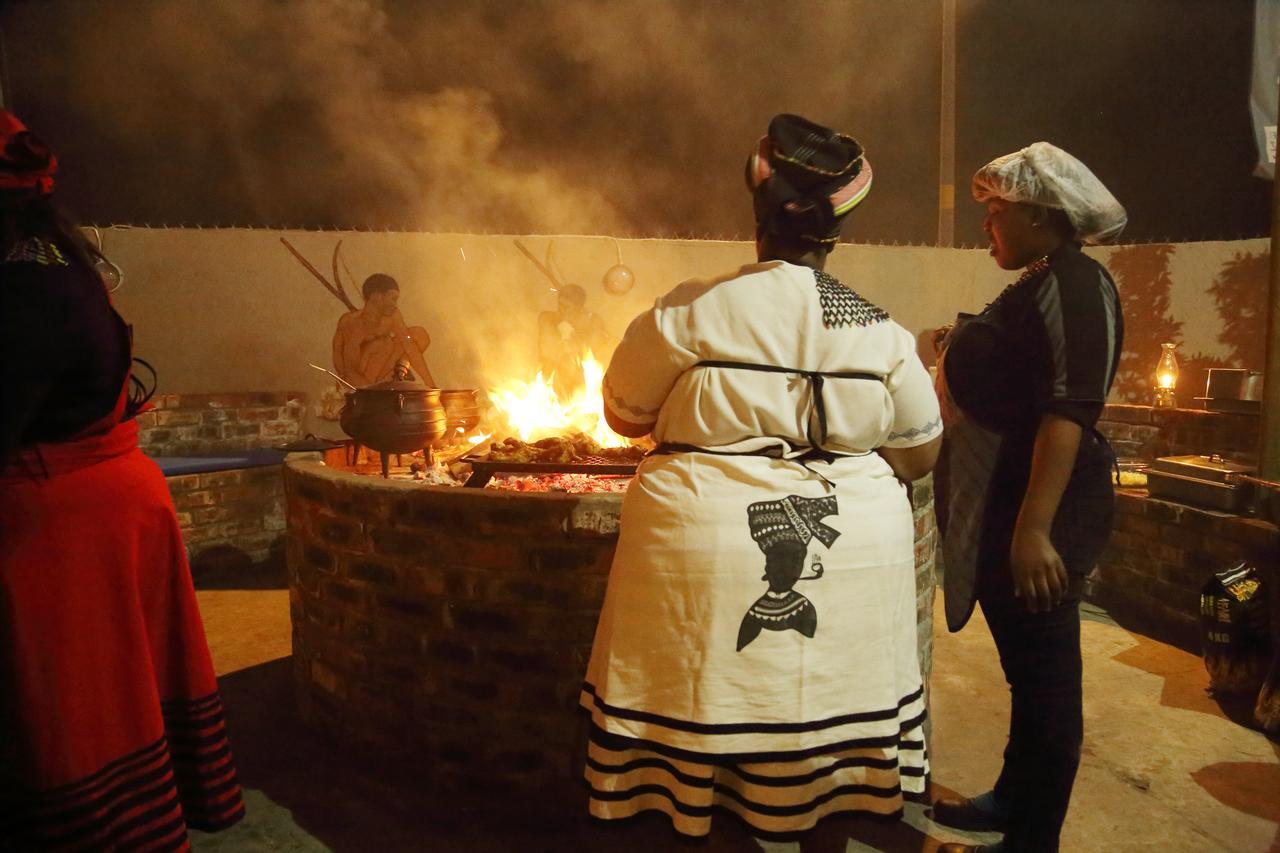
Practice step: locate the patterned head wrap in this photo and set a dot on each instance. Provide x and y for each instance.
(805, 178)
(792, 519)
(27, 165)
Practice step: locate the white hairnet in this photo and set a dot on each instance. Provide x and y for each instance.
(1046, 175)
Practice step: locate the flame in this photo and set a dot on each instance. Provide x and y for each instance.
(534, 410)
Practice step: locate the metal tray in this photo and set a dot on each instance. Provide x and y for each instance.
(483, 468)
(1228, 404)
(1213, 469)
(1197, 491)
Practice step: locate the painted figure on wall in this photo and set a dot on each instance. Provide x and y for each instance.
(371, 341)
(564, 335)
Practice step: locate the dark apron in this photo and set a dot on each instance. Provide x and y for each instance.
(962, 489)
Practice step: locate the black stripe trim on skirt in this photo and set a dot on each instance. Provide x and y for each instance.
(756, 778)
(767, 835)
(782, 837)
(216, 717)
(191, 706)
(174, 832)
(204, 765)
(758, 808)
(746, 728)
(617, 743)
(207, 824)
(123, 764)
(189, 745)
(204, 796)
(164, 796)
(69, 813)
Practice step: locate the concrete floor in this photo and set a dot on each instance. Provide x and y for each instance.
(1164, 767)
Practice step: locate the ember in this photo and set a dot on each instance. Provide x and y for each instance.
(572, 483)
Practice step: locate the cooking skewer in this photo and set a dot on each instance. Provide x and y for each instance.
(334, 375)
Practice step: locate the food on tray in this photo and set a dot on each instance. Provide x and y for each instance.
(573, 483)
(575, 448)
(1132, 479)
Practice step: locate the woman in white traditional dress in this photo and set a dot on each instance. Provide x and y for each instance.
(757, 648)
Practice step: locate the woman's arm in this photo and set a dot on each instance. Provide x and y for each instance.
(1039, 577)
(911, 463)
(625, 429)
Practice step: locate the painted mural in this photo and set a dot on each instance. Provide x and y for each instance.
(1212, 305)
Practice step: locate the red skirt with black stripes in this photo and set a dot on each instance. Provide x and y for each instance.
(113, 733)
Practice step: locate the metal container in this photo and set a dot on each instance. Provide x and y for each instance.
(1208, 481)
(462, 413)
(1252, 389)
(394, 417)
(1225, 383)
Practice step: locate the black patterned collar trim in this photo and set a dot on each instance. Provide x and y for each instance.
(37, 250)
(842, 307)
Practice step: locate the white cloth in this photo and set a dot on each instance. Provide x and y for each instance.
(665, 668)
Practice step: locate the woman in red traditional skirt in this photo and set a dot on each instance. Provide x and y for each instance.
(111, 729)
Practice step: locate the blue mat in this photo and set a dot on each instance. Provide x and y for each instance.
(175, 466)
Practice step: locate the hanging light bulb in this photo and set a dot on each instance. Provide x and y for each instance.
(1166, 378)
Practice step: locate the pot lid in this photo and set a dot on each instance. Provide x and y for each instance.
(1202, 467)
(396, 385)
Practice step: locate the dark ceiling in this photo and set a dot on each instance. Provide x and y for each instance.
(626, 117)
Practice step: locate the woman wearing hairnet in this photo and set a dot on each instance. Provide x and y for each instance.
(1024, 486)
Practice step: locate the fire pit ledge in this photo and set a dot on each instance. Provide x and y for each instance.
(450, 627)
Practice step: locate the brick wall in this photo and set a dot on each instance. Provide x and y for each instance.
(231, 519)
(926, 578)
(1162, 553)
(1141, 432)
(451, 627)
(208, 424)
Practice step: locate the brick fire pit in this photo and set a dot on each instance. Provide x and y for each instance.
(450, 628)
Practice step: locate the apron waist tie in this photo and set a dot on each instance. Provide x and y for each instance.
(816, 451)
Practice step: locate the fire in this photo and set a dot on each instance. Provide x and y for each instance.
(533, 410)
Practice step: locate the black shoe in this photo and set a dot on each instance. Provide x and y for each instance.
(963, 814)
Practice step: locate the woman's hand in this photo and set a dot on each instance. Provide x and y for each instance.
(1039, 577)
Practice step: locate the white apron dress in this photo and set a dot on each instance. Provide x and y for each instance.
(757, 647)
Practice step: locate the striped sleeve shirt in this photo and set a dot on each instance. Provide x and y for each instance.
(1070, 330)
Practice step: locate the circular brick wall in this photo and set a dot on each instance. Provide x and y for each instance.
(450, 627)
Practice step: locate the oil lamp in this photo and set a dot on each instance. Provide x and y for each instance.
(1166, 377)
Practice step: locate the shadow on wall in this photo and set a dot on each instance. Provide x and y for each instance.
(1239, 292)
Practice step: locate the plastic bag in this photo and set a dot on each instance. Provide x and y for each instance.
(1233, 614)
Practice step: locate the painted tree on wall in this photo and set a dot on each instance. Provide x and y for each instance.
(1142, 273)
(1240, 293)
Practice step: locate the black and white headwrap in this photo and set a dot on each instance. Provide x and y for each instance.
(805, 178)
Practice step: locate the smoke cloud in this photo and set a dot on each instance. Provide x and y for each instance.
(627, 117)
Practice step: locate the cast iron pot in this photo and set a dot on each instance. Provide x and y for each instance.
(394, 417)
(461, 412)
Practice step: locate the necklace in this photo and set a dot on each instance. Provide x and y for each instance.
(1032, 270)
